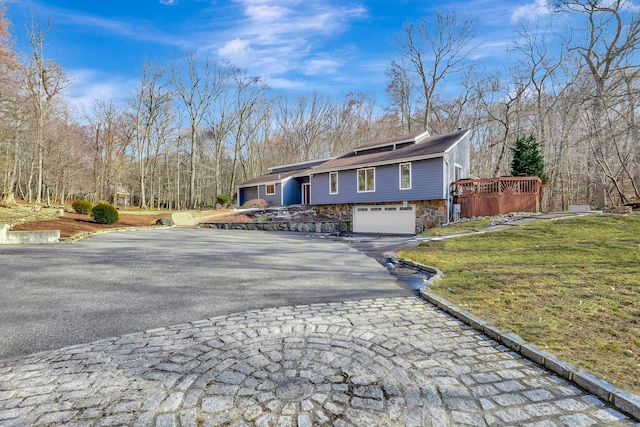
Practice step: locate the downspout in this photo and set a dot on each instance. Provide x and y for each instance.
(447, 191)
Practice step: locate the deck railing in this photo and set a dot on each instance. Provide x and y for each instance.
(495, 196)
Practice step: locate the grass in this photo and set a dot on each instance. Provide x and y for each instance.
(21, 213)
(457, 227)
(571, 287)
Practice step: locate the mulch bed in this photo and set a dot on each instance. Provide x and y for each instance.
(73, 223)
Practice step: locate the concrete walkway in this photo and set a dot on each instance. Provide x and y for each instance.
(551, 216)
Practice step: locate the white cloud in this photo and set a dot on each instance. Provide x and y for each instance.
(281, 83)
(275, 38)
(235, 48)
(140, 30)
(530, 11)
(169, 2)
(88, 86)
(265, 12)
(321, 66)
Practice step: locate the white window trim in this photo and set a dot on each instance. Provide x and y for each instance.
(457, 167)
(358, 180)
(266, 189)
(337, 188)
(400, 176)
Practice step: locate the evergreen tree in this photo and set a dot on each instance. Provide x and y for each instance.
(527, 158)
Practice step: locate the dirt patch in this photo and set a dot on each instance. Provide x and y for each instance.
(72, 223)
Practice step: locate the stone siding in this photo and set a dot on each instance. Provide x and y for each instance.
(429, 213)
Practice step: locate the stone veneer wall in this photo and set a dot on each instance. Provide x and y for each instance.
(429, 213)
(301, 227)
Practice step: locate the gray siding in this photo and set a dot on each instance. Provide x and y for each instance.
(458, 155)
(273, 199)
(426, 184)
(246, 194)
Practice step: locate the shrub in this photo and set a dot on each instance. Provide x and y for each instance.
(527, 158)
(223, 199)
(256, 203)
(104, 213)
(82, 206)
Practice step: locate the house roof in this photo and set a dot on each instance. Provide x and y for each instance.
(435, 146)
(273, 178)
(415, 146)
(297, 166)
(412, 137)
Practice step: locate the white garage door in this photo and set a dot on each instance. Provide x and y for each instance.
(388, 219)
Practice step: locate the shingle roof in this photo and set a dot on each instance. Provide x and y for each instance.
(297, 166)
(411, 137)
(368, 154)
(274, 177)
(434, 146)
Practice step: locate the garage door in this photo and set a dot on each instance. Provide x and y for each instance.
(389, 219)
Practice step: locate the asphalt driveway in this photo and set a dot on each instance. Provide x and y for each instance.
(57, 295)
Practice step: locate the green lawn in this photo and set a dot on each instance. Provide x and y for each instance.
(570, 286)
(457, 227)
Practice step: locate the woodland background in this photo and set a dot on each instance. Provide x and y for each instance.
(196, 128)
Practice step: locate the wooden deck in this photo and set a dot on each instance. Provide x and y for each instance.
(495, 196)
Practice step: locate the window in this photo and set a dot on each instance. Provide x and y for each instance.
(405, 176)
(333, 183)
(457, 172)
(366, 180)
(271, 189)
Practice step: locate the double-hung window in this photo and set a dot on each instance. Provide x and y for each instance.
(405, 176)
(366, 180)
(271, 189)
(333, 182)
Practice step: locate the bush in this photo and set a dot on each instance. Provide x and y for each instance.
(104, 213)
(223, 199)
(82, 206)
(256, 203)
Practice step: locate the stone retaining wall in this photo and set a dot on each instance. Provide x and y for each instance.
(301, 227)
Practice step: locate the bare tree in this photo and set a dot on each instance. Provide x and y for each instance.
(251, 110)
(401, 93)
(301, 123)
(197, 84)
(432, 52)
(150, 103)
(112, 135)
(609, 52)
(46, 80)
(350, 123)
(11, 119)
(220, 120)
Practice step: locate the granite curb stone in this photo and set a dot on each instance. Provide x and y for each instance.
(621, 399)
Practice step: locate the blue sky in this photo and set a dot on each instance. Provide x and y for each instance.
(329, 46)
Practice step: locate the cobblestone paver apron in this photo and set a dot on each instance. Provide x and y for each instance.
(385, 362)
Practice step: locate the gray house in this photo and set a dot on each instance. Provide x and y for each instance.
(283, 186)
(397, 185)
